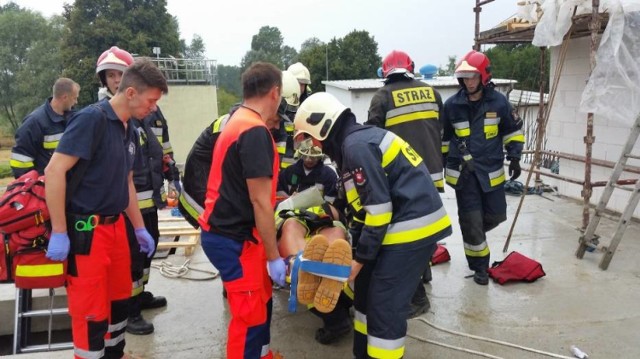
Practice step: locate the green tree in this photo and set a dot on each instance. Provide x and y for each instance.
(266, 46)
(519, 62)
(289, 56)
(450, 68)
(225, 101)
(196, 50)
(312, 55)
(353, 57)
(29, 61)
(229, 80)
(93, 26)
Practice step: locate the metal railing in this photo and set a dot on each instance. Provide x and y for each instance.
(187, 71)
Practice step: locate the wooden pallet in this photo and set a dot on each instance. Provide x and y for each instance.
(181, 229)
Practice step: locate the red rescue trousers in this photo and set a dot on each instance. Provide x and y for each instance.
(98, 289)
(243, 268)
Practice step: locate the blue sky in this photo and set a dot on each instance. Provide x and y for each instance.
(429, 30)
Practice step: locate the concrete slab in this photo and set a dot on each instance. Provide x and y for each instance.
(575, 304)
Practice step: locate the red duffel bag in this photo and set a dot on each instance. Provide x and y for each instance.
(31, 268)
(516, 267)
(23, 205)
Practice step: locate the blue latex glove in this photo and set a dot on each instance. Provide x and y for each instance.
(177, 186)
(277, 271)
(58, 248)
(146, 242)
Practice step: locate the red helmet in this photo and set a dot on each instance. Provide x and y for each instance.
(473, 63)
(397, 62)
(113, 59)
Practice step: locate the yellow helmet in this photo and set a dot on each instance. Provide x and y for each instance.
(300, 72)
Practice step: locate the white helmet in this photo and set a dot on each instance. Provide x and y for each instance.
(290, 90)
(300, 72)
(317, 115)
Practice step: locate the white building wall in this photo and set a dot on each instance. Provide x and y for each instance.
(568, 125)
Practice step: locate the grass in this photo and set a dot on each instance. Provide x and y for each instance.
(5, 171)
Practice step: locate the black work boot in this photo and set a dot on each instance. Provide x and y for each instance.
(138, 326)
(149, 301)
(419, 302)
(481, 277)
(328, 335)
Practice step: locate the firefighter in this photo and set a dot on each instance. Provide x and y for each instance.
(87, 222)
(477, 121)
(296, 226)
(304, 79)
(392, 195)
(39, 134)
(410, 108)
(198, 163)
(238, 232)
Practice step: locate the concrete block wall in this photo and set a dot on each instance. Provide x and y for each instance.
(568, 125)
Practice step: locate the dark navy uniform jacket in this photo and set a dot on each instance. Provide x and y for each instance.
(37, 139)
(390, 191)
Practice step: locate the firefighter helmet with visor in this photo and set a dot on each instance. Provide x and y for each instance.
(474, 63)
(397, 62)
(317, 115)
(300, 72)
(113, 59)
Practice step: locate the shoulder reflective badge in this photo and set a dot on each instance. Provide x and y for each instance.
(359, 177)
(158, 123)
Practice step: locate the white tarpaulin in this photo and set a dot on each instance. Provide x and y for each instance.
(613, 90)
(556, 20)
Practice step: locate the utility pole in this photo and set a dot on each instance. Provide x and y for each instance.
(326, 61)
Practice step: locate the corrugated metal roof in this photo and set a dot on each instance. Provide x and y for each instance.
(372, 84)
(526, 97)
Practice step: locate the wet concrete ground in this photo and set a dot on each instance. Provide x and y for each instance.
(575, 304)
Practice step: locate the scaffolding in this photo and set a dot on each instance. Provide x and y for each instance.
(188, 71)
(582, 25)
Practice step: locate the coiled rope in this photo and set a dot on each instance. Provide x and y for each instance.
(170, 270)
(500, 342)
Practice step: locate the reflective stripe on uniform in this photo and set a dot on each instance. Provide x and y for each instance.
(264, 350)
(192, 207)
(419, 111)
(20, 161)
(86, 354)
(145, 199)
(50, 142)
(438, 179)
(112, 342)
(286, 162)
(478, 250)
(444, 147)
(378, 214)
(352, 195)
(136, 287)
(117, 326)
(282, 147)
(462, 129)
(517, 136)
(418, 228)
(360, 322)
(451, 176)
(496, 177)
(157, 131)
(385, 348)
(389, 148)
(166, 147)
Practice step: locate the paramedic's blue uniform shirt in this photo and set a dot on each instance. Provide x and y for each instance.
(104, 187)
